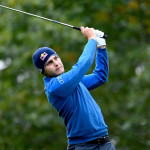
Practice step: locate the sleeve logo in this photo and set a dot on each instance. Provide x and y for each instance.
(60, 80)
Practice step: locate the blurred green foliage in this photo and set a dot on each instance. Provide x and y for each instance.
(27, 120)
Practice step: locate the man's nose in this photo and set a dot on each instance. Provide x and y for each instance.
(55, 63)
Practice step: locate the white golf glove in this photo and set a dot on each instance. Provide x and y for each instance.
(100, 42)
(99, 33)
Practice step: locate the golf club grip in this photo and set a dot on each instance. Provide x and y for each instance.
(77, 28)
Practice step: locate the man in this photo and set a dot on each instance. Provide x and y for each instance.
(68, 92)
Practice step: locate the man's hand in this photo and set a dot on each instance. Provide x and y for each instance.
(99, 33)
(88, 33)
(101, 43)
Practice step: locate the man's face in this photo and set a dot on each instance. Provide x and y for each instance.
(54, 66)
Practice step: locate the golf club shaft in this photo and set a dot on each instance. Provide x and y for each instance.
(77, 28)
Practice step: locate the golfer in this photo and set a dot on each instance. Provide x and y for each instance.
(68, 92)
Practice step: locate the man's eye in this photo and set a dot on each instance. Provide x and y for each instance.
(56, 58)
(49, 62)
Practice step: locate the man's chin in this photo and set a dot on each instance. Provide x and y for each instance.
(59, 73)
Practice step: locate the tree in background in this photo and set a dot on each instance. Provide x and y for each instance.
(27, 120)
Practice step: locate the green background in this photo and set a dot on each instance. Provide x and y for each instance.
(27, 120)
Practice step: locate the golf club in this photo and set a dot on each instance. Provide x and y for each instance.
(77, 28)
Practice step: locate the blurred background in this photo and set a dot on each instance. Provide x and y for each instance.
(27, 120)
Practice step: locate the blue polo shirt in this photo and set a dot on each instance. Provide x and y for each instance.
(69, 95)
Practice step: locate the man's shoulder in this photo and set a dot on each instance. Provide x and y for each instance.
(49, 79)
(46, 79)
(52, 84)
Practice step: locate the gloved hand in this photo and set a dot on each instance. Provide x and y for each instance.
(100, 42)
(99, 33)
